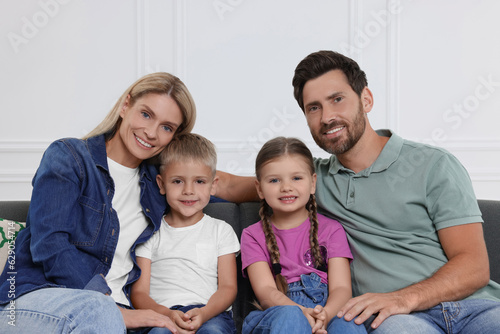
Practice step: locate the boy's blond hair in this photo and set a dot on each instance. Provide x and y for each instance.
(189, 147)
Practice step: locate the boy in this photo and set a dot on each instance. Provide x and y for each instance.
(189, 266)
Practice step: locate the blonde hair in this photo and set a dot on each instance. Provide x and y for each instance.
(274, 149)
(154, 83)
(189, 147)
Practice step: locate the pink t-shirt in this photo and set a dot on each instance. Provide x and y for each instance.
(295, 251)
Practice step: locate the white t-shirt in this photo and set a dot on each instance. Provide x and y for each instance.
(133, 222)
(184, 260)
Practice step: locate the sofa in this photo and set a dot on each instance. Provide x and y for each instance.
(245, 214)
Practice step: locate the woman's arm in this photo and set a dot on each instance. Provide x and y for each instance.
(225, 294)
(55, 228)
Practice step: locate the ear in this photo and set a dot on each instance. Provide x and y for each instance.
(367, 99)
(313, 186)
(215, 182)
(161, 185)
(125, 106)
(259, 189)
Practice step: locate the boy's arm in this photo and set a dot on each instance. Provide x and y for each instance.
(237, 189)
(141, 300)
(140, 289)
(225, 294)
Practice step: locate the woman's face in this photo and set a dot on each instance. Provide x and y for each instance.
(147, 127)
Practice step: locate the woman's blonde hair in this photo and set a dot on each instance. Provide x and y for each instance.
(154, 83)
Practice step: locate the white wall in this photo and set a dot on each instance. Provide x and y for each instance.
(433, 68)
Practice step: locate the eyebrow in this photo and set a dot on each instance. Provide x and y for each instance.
(329, 97)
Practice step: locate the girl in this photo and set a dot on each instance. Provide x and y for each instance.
(297, 260)
(93, 201)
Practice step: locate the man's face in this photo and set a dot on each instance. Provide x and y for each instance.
(334, 112)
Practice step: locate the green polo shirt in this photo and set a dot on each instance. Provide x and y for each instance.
(392, 211)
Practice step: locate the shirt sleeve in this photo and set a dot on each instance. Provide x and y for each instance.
(253, 246)
(56, 229)
(228, 241)
(146, 249)
(450, 196)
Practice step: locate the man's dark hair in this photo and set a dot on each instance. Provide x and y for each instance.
(321, 62)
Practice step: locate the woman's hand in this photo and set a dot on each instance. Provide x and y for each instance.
(147, 318)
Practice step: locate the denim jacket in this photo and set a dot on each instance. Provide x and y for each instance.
(72, 228)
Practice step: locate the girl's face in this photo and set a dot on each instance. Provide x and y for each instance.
(147, 127)
(286, 184)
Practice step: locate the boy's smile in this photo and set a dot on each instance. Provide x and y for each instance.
(187, 186)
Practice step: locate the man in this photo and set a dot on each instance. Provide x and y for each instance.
(409, 211)
(420, 262)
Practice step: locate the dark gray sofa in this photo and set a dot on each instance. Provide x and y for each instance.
(244, 214)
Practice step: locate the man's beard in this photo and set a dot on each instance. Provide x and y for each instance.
(336, 145)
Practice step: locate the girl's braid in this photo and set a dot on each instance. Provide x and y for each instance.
(312, 208)
(272, 245)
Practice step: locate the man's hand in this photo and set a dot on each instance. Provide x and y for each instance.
(364, 306)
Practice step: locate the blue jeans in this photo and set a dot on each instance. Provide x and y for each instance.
(308, 292)
(59, 310)
(469, 316)
(222, 323)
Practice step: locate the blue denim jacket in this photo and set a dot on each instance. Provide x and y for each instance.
(72, 229)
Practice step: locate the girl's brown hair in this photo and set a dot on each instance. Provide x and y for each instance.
(274, 149)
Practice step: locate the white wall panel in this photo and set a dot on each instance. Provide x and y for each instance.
(433, 68)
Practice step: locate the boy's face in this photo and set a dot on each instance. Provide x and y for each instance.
(187, 186)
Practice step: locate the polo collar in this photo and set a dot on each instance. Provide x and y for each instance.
(387, 157)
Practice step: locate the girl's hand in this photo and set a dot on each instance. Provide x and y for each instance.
(321, 317)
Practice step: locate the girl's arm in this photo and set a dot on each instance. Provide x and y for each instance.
(141, 299)
(223, 297)
(264, 286)
(339, 290)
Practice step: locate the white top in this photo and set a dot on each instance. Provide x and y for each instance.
(184, 260)
(133, 222)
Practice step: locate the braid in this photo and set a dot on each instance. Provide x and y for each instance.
(312, 208)
(265, 213)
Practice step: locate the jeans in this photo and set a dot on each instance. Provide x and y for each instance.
(471, 316)
(60, 310)
(222, 323)
(308, 292)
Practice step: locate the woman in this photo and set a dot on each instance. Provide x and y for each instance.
(93, 201)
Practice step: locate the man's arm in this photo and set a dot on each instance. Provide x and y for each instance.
(237, 189)
(466, 271)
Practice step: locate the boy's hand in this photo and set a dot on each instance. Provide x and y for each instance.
(196, 316)
(181, 320)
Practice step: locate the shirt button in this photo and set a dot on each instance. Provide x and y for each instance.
(147, 210)
(351, 194)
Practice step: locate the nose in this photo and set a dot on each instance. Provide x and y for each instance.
(327, 115)
(188, 188)
(150, 132)
(285, 186)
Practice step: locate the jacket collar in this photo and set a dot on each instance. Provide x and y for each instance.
(97, 148)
